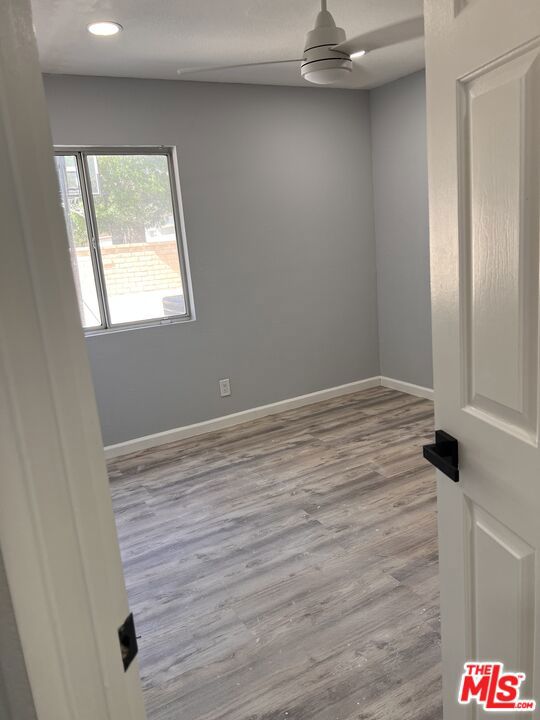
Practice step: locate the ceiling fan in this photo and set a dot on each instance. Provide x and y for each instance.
(328, 54)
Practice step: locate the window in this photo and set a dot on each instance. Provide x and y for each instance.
(123, 228)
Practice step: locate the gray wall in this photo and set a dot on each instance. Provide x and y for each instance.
(398, 130)
(277, 194)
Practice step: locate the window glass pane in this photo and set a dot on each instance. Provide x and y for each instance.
(79, 246)
(137, 236)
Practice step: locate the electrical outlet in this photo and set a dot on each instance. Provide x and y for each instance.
(225, 387)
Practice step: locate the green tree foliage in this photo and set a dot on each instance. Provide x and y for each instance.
(78, 222)
(71, 200)
(131, 193)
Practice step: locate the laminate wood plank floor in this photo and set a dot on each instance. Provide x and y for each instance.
(287, 568)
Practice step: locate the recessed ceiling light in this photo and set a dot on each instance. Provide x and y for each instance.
(358, 54)
(104, 28)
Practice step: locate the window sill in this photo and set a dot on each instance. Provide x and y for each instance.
(100, 332)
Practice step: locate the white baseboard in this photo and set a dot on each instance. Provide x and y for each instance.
(225, 421)
(408, 388)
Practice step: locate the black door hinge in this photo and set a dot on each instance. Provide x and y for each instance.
(128, 641)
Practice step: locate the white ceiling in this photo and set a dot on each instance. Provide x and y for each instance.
(161, 36)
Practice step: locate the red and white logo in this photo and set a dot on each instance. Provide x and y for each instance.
(487, 684)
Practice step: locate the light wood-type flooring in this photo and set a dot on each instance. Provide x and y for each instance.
(286, 569)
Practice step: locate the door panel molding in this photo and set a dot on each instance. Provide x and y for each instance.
(502, 591)
(498, 195)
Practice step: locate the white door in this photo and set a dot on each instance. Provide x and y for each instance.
(57, 535)
(483, 78)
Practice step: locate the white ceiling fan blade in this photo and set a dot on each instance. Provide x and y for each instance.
(384, 37)
(208, 68)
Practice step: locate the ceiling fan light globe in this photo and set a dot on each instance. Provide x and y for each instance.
(328, 76)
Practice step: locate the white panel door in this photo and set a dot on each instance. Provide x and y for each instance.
(483, 76)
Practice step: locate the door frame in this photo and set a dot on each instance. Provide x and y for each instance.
(57, 533)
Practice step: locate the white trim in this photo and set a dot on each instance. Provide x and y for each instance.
(225, 421)
(408, 388)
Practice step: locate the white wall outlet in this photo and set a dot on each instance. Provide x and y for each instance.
(225, 387)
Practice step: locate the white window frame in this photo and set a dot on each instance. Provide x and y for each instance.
(81, 153)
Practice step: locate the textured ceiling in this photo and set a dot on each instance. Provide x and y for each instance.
(161, 36)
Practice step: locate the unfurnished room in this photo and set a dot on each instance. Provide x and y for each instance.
(269, 330)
